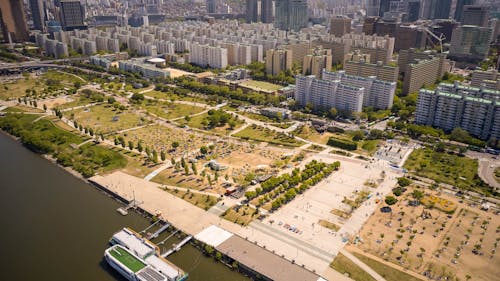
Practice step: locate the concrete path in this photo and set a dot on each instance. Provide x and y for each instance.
(154, 173)
(362, 265)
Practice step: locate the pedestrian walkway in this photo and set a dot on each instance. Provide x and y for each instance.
(362, 265)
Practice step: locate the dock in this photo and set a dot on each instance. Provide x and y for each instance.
(132, 205)
(177, 247)
(159, 231)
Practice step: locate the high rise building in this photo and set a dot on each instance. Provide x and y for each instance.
(454, 105)
(459, 9)
(316, 61)
(413, 10)
(425, 10)
(278, 60)
(211, 6)
(470, 42)
(252, 12)
(384, 6)
(266, 11)
(291, 14)
(344, 92)
(340, 25)
(372, 8)
(440, 9)
(359, 64)
(475, 15)
(38, 14)
(72, 15)
(12, 21)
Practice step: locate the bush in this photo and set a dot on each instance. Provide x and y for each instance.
(403, 182)
(390, 200)
(344, 144)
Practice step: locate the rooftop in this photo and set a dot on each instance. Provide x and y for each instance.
(268, 264)
(129, 239)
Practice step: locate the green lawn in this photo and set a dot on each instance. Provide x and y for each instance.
(18, 88)
(46, 138)
(267, 135)
(344, 265)
(261, 85)
(243, 216)
(105, 118)
(389, 273)
(446, 168)
(168, 110)
(197, 199)
(78, 100)
(127, 259)
(197, 122)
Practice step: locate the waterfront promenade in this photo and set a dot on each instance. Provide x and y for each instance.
(193, 220)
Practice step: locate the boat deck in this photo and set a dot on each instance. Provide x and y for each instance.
(127, 259)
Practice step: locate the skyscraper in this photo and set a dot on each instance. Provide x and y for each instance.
(38, 14)
(210, 6)
(475, 15)
(291, 14)
(440, 9)
(72, 15)
(12, 20)
(460, 8)
(252, 12)
(384, 7)
(266, 11)
(340, 25)
(372, 8)
(413, 10)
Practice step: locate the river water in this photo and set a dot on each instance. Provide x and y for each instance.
(56, 227)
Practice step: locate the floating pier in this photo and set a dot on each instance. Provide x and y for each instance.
(177, 247)
(159, 231)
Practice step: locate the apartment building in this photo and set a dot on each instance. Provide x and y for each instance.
(358, 64)
(206, 55)
(278, 60)
(344, 92)
(489, 79)
(455, 105)
(316, 61)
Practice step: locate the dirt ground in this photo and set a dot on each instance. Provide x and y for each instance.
(55, 102)
(433, 243)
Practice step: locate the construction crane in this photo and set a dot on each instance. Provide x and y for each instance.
(439, 38)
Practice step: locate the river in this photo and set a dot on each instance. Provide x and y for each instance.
(56, 227)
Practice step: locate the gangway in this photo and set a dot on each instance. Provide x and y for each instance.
(146, 229)
(133, 204)
(163, 228)
(177, 247)
(164, 240)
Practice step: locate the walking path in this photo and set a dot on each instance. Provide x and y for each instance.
(362, 265)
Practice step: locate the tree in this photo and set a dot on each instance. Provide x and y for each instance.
(183, 162)
(163, 156)
(175, 145)
(111, 100)
(172, 161)
(358, 135)
(137, 98)
(130, 145)
(186, 170)
(193, 167)
(203, 150)
(417, 194)
(139, 146)
(403, 182)
(45, 107)
(148, 151)
(155, 156)
(390, 200)
(332, 113)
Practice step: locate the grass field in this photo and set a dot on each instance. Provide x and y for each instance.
(243, 216)
(344, 265)
(14, 90)
(258, 85)
(329, 225)
(446, 168)
(168, 110)
(104, 118)
(267, 135)
(197, 122)
(170, 177)
(199, 200)
(161, 138)
(389, 273)
(78, 100)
